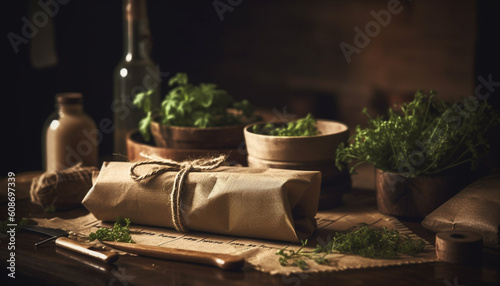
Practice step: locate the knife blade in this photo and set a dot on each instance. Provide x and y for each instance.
(62, 240)
(222, 261)
(52, 232)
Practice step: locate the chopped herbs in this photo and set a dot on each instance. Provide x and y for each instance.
(298, 258)
(381, 243)
(373, 243)
(119, 232)
(426, 137)
(302, 127)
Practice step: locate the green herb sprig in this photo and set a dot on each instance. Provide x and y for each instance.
(4, 225)
(119, 232)
(302, 127)
(373, 243)
(188, 105)
(299, 258)
(427, 137)
(376, 243)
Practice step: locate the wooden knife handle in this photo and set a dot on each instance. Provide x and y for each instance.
(223, 261)
(106, 256)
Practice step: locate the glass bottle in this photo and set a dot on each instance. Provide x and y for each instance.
(135, 73)
(69, 135)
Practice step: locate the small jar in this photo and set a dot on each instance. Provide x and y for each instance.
(70, 136)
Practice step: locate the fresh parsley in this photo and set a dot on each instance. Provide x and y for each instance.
(427, 137)
(302, 127)
(119, 232)
(376, 243)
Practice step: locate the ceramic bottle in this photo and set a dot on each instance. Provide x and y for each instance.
(69, 135)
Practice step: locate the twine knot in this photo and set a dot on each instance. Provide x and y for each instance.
(183, 168)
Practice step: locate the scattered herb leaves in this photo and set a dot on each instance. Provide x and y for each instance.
(298, 258)
(119, 232)
(4, 225)
(376, 243)
(373, 243)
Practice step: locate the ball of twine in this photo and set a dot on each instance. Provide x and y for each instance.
(62, 190)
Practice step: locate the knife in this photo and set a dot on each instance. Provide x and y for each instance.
(222, 261)
(90, 262)
(53, 233)
(105, 256)
(63, 241)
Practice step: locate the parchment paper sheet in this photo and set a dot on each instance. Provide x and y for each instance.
(261, 255)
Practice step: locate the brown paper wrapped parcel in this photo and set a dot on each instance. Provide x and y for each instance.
(240, 201)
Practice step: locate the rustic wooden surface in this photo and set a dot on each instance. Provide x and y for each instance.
(48, 265)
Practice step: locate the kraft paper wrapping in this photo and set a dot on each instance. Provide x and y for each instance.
(239, 201)
(476, 208)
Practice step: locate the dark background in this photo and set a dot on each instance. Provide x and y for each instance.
(276, 53)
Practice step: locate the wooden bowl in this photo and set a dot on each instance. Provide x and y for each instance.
(190, 138)
(136, 146)
(312, 153)
(318, 148)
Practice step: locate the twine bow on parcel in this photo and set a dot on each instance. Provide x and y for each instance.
(197, 165)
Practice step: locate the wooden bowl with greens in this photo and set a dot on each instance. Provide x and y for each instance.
(303, 144)
(194, 117)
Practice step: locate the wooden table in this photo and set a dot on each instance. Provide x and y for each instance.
(48, 265)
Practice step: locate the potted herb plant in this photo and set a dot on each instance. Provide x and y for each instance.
(303, 144)
(194, 117)
(423, 154)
